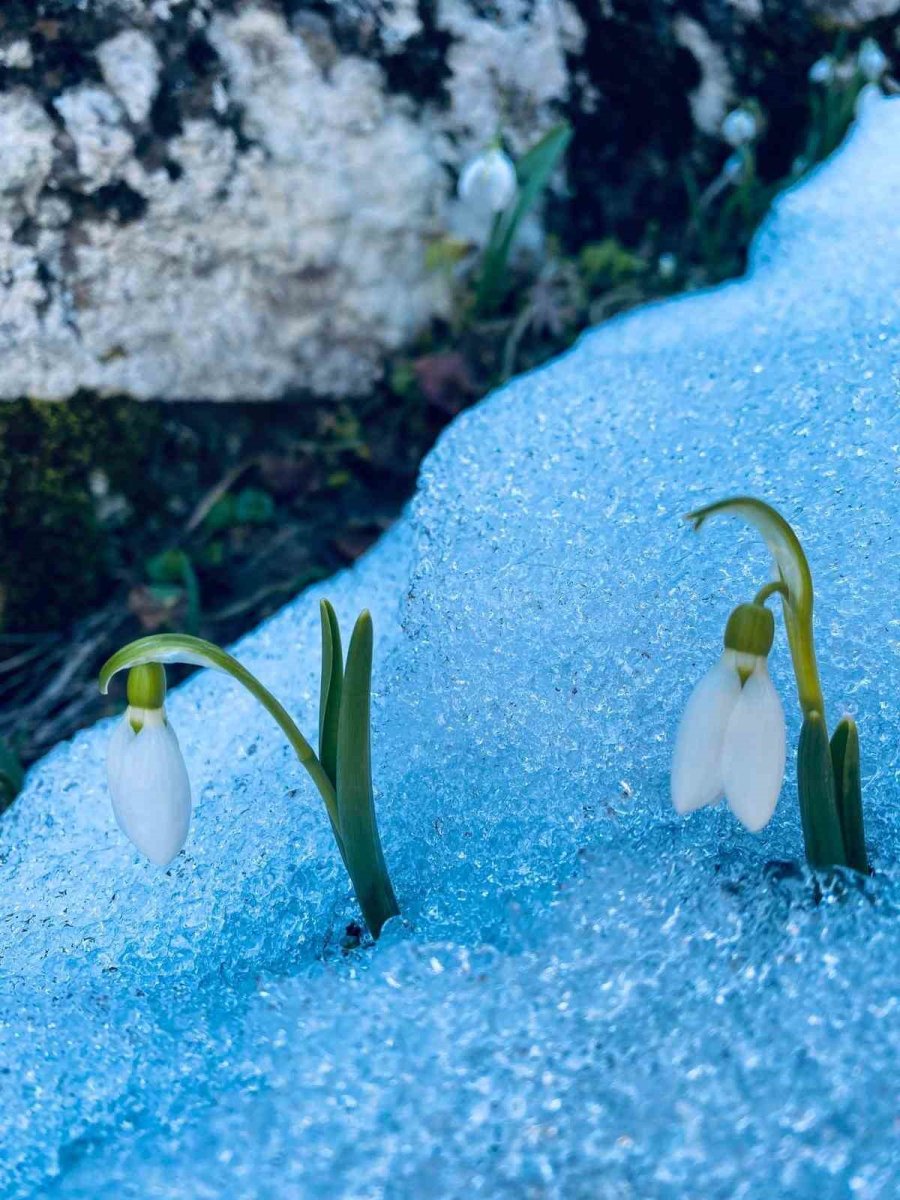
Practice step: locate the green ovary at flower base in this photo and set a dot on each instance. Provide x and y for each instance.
(731, 738)
(148, 782)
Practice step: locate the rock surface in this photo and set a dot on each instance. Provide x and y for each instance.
(592, 998)
(233, 200)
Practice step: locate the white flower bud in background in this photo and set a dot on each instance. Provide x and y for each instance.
(739, 127)
(822, 71)
(488, 182)
(667, 265)
(731, 739)
(871, 60)
(148, 781)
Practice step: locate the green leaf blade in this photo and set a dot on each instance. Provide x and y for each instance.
(331, 688)
(818, 806)
(848, 793)
(355, 801)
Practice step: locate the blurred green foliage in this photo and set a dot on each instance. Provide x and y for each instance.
(58, 462)
(12, 775)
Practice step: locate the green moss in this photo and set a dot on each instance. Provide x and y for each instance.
(607, 264)
(56, 556)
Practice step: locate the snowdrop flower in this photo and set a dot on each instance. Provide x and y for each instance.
(739, 127)
(148, 781)
(872, 60)
(488, 182)
(731, 740)
(667, 265)
(822, 71)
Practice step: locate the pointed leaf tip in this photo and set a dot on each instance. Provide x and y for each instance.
(848, 793)
(331, 689)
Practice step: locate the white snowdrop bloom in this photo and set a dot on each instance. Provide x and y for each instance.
(822, 71)
(731, 739)
(148, 781)
(488, 182)
(739, 127)
(872, 60)
(149, 785)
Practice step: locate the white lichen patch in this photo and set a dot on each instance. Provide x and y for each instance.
(26, 135)
(710, 99)
(130, 66)
(508, 71)
(400, 21)
(94, 121)
(293, 263)
(17, 55)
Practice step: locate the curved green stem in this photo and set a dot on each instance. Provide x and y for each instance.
(182, 648)
(794, 582)
(770, 589)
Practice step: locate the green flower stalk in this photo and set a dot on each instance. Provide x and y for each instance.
(148, 783)
(828, 772)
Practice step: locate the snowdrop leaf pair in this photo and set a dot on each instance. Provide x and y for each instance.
(830, 791)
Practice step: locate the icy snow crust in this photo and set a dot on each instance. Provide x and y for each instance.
(592, 998)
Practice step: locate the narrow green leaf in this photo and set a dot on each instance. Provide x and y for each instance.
(848, 793)
(330, 693)
(815, 784)
(355, 804)
(534, 170)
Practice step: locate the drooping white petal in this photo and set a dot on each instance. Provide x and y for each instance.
(150, 790)
(696, 762)
(117, 750)
(753, 755)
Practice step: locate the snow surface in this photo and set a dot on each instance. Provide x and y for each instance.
(589, 997)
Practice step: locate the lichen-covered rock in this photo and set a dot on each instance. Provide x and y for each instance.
(233, 200)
